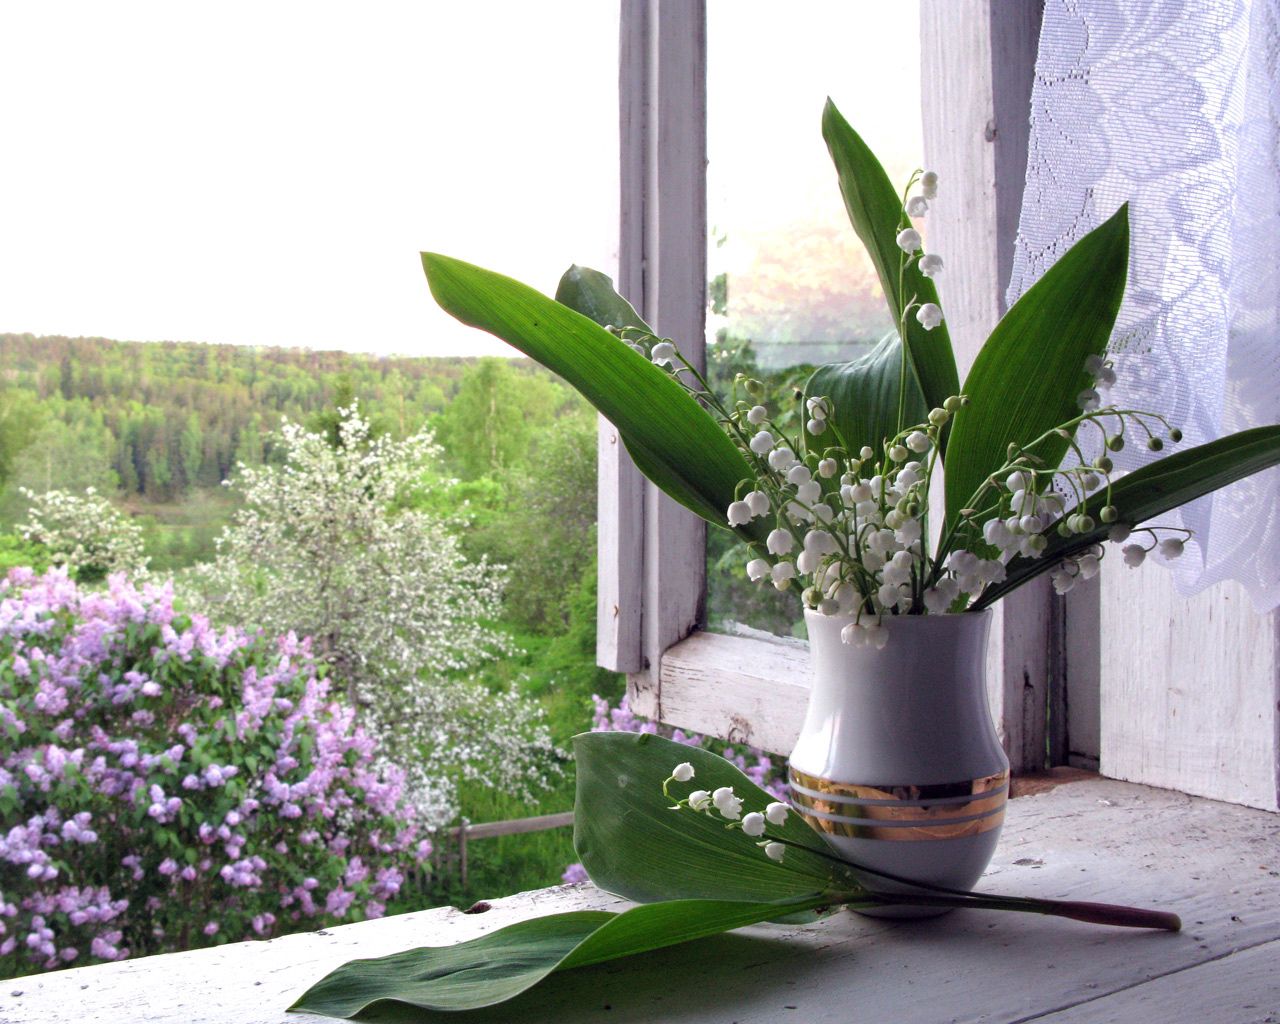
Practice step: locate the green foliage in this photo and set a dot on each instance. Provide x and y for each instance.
(547, 526)
(864, 398)
(1153, 490)
(17, 553)
(20, 418)
(731, 597)
(669, 436)
(495, 416)
(1025, 380)
(875, 210)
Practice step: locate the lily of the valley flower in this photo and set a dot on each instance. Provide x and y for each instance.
(663, 354)
(909, 240)
(929, 315)
(682, 772)
(729, 805)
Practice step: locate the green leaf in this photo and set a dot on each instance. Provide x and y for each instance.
(875, 210)
(673, 440)
(864, 398)
(631, 842)
(1029, 373)
(501, 965)
(1152, 490)
(592, 294)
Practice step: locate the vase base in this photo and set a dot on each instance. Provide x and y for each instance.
(901, 913)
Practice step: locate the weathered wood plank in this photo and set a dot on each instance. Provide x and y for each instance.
(738, 689)
(1215, 864)
(620, 504)
(670, 226)
(1189, 687)
(1238, 989)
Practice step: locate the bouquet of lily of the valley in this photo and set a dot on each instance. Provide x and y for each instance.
(843, 512)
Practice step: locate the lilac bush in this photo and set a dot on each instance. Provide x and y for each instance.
(164, 785)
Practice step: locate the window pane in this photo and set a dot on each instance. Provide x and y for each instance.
(791, 286)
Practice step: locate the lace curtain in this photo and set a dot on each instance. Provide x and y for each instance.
(1174, 107)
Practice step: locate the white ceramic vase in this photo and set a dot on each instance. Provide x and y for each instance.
(898, 764)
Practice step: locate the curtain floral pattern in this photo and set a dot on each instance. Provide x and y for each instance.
(1173, 107)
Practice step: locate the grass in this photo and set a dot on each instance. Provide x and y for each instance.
(560, 673)
(177, 534)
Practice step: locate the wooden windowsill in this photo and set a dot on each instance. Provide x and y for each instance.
(1217, 865)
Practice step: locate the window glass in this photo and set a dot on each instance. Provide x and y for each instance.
(790, 284)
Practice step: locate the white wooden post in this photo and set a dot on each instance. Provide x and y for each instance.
(653, 552)
(977, 65)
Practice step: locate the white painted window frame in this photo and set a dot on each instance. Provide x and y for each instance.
(978, 58)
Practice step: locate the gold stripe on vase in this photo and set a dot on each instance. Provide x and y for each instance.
(901, 813)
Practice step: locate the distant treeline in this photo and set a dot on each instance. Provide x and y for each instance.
(158, 420)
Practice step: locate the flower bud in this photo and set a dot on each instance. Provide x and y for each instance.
(1171, 547)
(757, 414)
(952, 404)
(1108, 513)
(1115, 443)
(762, 442)
(1155, 444)
(753, 824)
(827, 468)
(908, 240)
(682, 772)
(929, 184)
(816, 427)
(1175, 435)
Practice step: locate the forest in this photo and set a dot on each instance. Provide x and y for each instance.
(426, 525)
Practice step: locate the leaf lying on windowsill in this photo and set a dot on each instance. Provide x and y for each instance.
(696, 876)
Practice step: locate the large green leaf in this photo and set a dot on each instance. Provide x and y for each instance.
(632, 844)
(875, 209)
(1028, 376)
(864, 397)
(673, 440)
(501, 965)
(1152, 490)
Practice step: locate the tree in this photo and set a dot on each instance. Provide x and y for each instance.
(323, 546)
(489, 424)
(84, 534)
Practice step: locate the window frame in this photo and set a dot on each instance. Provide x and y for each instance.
(978, 63)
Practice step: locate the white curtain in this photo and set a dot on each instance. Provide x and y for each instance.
(1174, 107)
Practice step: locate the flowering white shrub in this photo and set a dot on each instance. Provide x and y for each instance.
(164, 785)
(323, 546)
(84, 534)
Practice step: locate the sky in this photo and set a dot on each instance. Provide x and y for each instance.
(266, 173)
